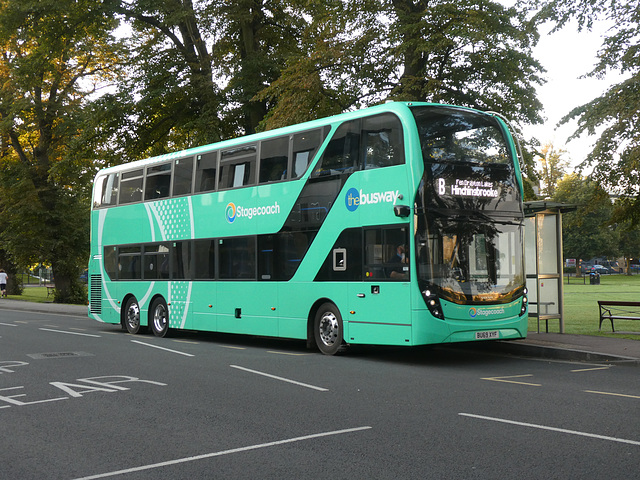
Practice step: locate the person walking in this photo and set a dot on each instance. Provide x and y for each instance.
(3, 283)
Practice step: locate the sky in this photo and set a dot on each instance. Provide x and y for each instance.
(567, 55)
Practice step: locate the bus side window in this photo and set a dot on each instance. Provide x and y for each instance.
(237, 258)
(183, 176)
(106, 191)
(206, 168)
(342, 153)
(131, 186)
(129, 263)
(158, 182)
(382, 141)
(111, 262)
(181, 260)
(237, 167)
(274, 157)
(156, 262)
(305, 146)
(204, 252)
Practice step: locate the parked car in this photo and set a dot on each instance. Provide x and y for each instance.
(599, 269)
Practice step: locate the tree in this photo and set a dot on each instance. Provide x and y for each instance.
(552, 168)
(475, 53)
(53, 53)
(615, 115)
(587, 232)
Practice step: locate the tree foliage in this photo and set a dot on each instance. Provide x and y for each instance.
(52, 51)
(587, 231)
(552, 168)
(614, 116)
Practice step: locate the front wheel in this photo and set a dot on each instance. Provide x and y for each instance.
(159, 319)
(327, 329)
(132, 316)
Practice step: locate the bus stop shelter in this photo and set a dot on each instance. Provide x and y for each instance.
(543, 260)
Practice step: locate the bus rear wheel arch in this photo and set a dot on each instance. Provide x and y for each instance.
(159, 317)
(328, 329)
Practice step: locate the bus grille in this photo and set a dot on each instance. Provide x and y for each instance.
(95, 299)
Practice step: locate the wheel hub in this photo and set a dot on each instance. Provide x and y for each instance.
(329, 329)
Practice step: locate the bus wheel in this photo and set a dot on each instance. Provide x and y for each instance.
(327, 329)
(160, 317)
(132, 316)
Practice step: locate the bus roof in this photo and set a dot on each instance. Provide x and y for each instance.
(394, 107)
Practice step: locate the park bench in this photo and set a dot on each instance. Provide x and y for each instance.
(616, 310)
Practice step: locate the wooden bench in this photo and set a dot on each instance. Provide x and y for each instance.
(615, 310)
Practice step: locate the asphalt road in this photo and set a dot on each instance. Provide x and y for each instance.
(79, 399)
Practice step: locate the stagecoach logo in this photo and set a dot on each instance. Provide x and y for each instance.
(356, 198)
(233, 212)
(485, 312)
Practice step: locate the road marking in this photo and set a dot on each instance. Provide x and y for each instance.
(613, 394)
(233, 348)
(591, 369)
(504, 379)
(553, 429)
(224, 452)
(186, 341)
(288, 353)
(162, 348)
(69, 333)
(280, 378)
(8, 324)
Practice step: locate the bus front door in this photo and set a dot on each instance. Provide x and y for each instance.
(380, 313)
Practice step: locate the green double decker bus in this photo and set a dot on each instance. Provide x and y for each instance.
(400, 224)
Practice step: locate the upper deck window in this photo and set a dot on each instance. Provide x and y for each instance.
(105, 192)
(182, 175)
(371, 142)
(131, 186)
(455, 135)
(237, 167)
(158, 181)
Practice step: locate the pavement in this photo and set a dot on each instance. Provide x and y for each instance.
(551, 346)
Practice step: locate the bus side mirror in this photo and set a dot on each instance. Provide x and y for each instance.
(402, 210)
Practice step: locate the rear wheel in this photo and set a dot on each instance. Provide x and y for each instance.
(132, 316)
(327, 329)
(159, 319)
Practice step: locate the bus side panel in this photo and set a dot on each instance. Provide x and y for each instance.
(204, 306)
(297, 300)
(248, 307)
(179, 300)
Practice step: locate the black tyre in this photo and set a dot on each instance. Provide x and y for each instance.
(132, 316)
(327, 329)
(159, 317)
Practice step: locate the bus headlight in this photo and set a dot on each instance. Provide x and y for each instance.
(433, 303)
(525, 303)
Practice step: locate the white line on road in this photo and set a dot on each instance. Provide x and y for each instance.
(224, 452)
(553, 429)
(8, 324)
(280, 378)
(69, 333)
(162, 348)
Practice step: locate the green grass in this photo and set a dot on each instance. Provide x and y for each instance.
(581, 313)
(33, 294)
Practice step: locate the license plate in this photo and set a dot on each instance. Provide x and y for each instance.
(487, 335)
